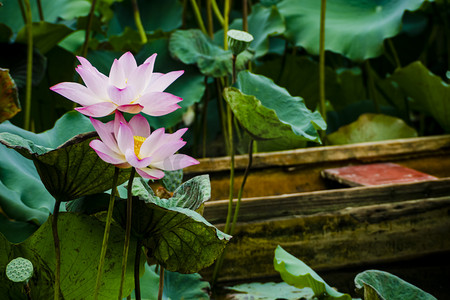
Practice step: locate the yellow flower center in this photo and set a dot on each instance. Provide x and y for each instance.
(138, 140)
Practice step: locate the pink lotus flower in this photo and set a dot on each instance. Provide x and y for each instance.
(129, 88)
(130, 144)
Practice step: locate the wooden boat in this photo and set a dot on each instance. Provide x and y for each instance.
(287, 202)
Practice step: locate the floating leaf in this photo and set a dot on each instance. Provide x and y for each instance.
(9, 98)
(383, 285)
(80, 251)
(371, 128)
(354, 28)
(180, 239)
(295, 272)
(176, 285)
(268, 111)
(269, 291)
(45, 35)
(428, 91)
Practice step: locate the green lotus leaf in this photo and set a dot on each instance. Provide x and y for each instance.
(80, 240)
(176, 285)
(353, 28)
(11, 15)
(383, 285)
(194, 47)
(45, 35)
(268, 111)
(270, 290)
(428, 91)
(25, 202)
(371, 128)
(9, 99)
(295, 272)
(179, 238)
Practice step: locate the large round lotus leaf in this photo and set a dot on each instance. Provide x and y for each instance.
(384, 285)
(80, 240)
(353, 28)
(268, 111)
(371, 128)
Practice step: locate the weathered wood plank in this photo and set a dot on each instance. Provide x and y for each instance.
(362, 152)
(343, 238)
(263, 208)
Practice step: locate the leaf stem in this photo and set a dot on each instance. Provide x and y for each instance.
(57, 249)
(204, 117)
(233, 59)
(29, 32)
(137, 258)
(394, 53)
(198, 16)
(217, 12)
(210, 19)
(226, 15)
(127, 232)
(87, 35)
(323, 109)
(241, 190)
(371, 86)
(161, 283)
(138, 22)
(106, 233)
(244, 15)
(41, 13)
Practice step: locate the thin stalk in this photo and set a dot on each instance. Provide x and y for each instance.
(226, 15)
(222, 114)
(244, 15)
(198, 16)
(137, 285)
(29, 32)
(233, 59)
(28, 291)
(57, 249)
(22, 11)
(323, 109)
(231, 143)
(41, 12)
(394, 53)
(87, 35)
(371, 86)
(138, 22)
(127, 232)
(217, 12)
(204, 116)
(447, 32)
(101, 262)
(161, 283)
(209, 17)
(241, 190)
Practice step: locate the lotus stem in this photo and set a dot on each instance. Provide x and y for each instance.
(137, 258)
(210, 19)
(57, 249)
(198, 16)
(244, 15)
(106, 233)
(241, 190)
(204, 117)
(233, 59)
(22, 11)
(217, 12)
(161, 283)
(371, 86)
(231, 143)
(138, 22)
(29, 32)
(127, 232)
(87, 35)
(226, 15)
(41, 13)
(28, 291)
(394, 53)
(323, 109)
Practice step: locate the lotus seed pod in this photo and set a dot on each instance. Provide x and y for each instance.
(238, 40)
(19, 270)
